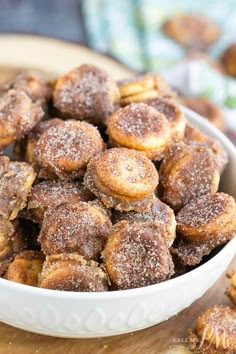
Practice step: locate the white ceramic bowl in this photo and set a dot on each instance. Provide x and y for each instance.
(81, 315)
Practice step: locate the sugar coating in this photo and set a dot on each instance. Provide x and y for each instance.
(221, 320)
(75, 227)
(52, 193)
(18, 115)
(66, 149)
(16, 179)
(86, 93)
(36, 84)
(205, 210)
(159, 212)
(111, 184)
(136, 255)
(71, 272)
(193, 136)
(188, 173)
(139, 119)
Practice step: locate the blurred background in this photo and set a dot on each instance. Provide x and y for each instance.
(191, 43)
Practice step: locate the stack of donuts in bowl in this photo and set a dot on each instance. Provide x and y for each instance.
(109, 186)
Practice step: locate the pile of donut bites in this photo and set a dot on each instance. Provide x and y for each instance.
(109, 187)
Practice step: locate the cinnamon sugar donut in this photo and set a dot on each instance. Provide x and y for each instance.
(159, 213)
(141, 127)
(190, 253)
(12, 241)
(211, 217)
(123, 179)
(231, 292)
(194, 136)
(86, 93)
(64, 150)
(36, 84)
(71, 272)
(52, 193)
(216, 329)
(206, 109)
(16, 179)
(192, 31)
(18, 115)
(24, 149)
(187, 172)
(228, 60)
(173, 113)
(25, 268)
(136, 255)
(203, 225)
(142, 88)
(75, 227)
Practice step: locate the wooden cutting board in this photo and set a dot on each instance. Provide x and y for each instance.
(57, 57)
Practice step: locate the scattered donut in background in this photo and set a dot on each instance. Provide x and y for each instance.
(215, 331)
(192, 31)
(228, 60)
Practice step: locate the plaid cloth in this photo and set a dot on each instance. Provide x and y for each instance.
(130, 30)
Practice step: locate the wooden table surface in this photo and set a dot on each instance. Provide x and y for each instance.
(154, 340)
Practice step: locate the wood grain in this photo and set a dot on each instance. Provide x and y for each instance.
(154, 340)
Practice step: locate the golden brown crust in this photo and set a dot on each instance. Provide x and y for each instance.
(36, 84)
(192, 31)
(86, 93)
(52, 193)
(139, 126)
(136, 255)
(75, 227)
(188, 253)
(12, 241)
(159, 212)
(194, 136)
(64, 151)
(24, 148)
(174, 115)
(228, 60)
(18, 115)
(206, 109)
(186, 173)
(71, 272)
(231, 291)
(16, 179)
(25, 268)
(217, 326)
(122, 178)
(209, 218)
(142, 88)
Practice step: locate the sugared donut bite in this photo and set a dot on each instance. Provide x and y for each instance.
(75, 227)
(187, 173)
(211, 218)
(86, 93)
(64, 151)
(136, 255)
(122, 178)
(71, 272)
(139, 126)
